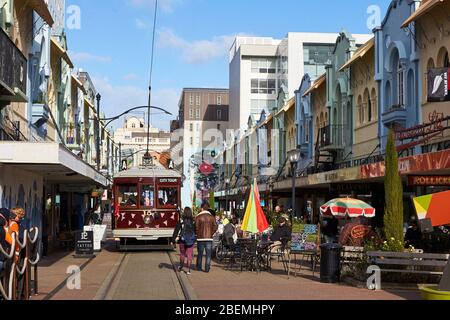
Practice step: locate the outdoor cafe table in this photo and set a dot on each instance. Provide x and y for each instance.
(254, 253)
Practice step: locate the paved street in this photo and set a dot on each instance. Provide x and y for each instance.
(145, 276)
(114, 275)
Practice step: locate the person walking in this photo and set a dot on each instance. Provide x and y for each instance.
(185, 232)
(205, 227)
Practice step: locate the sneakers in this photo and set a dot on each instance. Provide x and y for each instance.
(180, 269)
(188, 272)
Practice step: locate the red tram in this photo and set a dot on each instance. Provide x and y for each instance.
(146, 207)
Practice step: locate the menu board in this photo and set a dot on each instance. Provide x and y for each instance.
(305, 238)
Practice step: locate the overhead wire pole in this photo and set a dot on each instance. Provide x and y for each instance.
(147, 155)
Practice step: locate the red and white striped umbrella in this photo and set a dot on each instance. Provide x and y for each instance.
(347, 207)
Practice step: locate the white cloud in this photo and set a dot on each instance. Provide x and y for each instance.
(80, 57)
(167, 6)
(119, 98)
(140, 24)
(199, 51)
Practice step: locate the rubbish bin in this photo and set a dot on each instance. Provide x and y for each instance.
(330, 263)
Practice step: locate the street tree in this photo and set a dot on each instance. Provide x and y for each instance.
(393, 219)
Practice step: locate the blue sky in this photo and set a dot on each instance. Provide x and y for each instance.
(193, 38)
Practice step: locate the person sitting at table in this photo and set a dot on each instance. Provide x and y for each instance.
(229, 233)
(280, 235)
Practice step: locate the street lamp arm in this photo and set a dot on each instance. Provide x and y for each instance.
(137, 108)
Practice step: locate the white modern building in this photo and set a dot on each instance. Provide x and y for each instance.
(266, 72)
(197, 135)
(132, 138)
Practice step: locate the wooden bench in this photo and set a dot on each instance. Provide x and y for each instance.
(351, 255)
(414, 262)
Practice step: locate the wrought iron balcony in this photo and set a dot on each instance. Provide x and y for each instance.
(332, 138)
(13, 70)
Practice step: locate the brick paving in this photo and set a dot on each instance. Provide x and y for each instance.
(224, 284)
(53, 274)
(131, 281)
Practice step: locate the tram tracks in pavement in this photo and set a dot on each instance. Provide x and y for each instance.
(186, 287)
(111, 285)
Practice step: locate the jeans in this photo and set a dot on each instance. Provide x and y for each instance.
(2, 265)
(204, 246)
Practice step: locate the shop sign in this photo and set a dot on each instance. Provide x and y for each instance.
(423, 133)
(420, 163)
(85, 243)
(429, 180)
(342, 175)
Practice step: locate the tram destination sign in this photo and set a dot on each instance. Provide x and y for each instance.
(168, 180)
(429, 180)
(84, 244)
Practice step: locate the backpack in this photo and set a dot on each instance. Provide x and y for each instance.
(188, 236)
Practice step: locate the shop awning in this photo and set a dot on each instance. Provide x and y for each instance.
(79, 84)
(425, 7)
(361, 52)
(435, 207)
(51, 160)
(41, 8)
(316, 84)
(62, 53)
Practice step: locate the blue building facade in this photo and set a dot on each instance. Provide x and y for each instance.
(397, 71)
(304, 122)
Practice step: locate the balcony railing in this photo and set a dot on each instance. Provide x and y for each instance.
(13, 67)
(332, 137)
(395, 114)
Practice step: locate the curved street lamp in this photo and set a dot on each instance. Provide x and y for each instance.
(294, 158)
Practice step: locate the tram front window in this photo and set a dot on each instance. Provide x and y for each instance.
(147, 196)
(127, 195)
(167, 197)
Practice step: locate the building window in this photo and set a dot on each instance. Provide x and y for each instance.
(264, 66)
(219, 100)
(192, 141)
(191, 100)
(400, 84)
(197, 114)
(191, 127)
(258, 105)
(197, 100)
(219, 114)
(133, 125)
(263, 86)
(191, 114)
(198, 127)
(218, 126)
(306, 133)
(369, 109)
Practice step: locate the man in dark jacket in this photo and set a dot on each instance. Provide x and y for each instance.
(282, 232)
(205, 227)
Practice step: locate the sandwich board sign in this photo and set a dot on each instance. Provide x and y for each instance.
(84, 246)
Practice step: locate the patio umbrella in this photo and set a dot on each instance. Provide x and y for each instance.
(343, 207)
(435, 207)
(254, 219)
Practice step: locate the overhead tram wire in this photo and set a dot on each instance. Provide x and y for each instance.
(150, 81)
